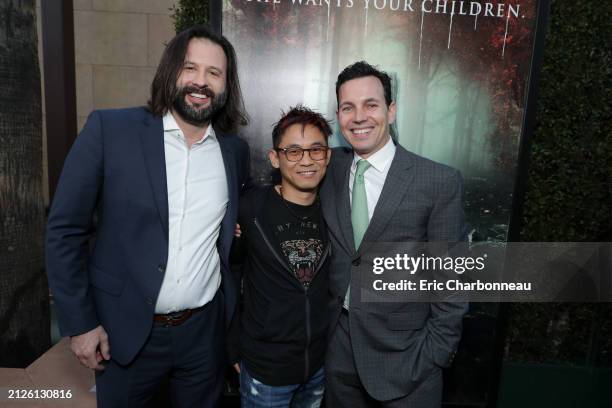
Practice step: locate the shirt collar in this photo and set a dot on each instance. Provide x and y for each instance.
(172, 128)
(380, 160)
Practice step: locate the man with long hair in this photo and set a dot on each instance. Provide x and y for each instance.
(148, 300)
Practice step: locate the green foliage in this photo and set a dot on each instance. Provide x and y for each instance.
(569, 192)
(562, 333)
(189, 13)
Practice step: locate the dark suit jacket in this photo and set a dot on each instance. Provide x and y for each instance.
(396, 346)
(116, 169)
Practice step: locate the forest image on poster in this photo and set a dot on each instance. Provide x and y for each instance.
(460, 73)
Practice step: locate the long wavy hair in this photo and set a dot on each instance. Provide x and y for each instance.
(164, 90)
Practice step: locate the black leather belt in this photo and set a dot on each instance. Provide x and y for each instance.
(176, 318)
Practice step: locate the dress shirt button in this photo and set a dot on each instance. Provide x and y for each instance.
(161, 268)
(356, 262)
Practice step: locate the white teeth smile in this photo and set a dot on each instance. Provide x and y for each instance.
(199, 96)
(307, 173)
(361, 131)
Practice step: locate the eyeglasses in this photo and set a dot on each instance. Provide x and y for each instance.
(295, 154)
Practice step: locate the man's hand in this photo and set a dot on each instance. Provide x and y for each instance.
(91, 348)
(237, 231)
(237, 367)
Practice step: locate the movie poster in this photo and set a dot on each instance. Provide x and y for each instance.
(460, 72)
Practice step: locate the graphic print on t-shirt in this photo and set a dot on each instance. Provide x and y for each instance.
(303, 256)
(298, 232)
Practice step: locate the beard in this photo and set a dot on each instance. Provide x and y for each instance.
(194, 115)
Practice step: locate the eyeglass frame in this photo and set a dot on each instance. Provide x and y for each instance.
(284, 150)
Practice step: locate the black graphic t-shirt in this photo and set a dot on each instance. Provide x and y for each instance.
(298, 232)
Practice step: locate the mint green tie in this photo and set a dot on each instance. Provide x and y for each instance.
(359, 204)
(359, 212)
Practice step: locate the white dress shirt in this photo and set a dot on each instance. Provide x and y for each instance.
(375, 175)
(197, 201)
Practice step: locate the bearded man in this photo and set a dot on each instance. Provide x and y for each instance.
(149, 298)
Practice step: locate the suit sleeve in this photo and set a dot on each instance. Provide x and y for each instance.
(69, 230)
(446, 224)
(237, 259)
(248, 183)
(233, 333)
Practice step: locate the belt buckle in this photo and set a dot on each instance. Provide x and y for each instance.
(178, 319)
(171, 320)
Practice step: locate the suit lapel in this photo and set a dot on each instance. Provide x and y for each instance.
(152, 140)
(343, 205)
(396, 185)
(227, 227)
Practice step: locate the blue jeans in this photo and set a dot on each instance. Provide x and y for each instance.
(255, 394)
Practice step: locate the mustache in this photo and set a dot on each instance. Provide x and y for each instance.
(205, 90)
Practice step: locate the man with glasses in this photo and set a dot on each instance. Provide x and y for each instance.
(278, 342)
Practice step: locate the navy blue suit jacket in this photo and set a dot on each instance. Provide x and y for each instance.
(116, 170)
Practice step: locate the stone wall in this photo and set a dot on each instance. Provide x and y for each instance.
(118, 44)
